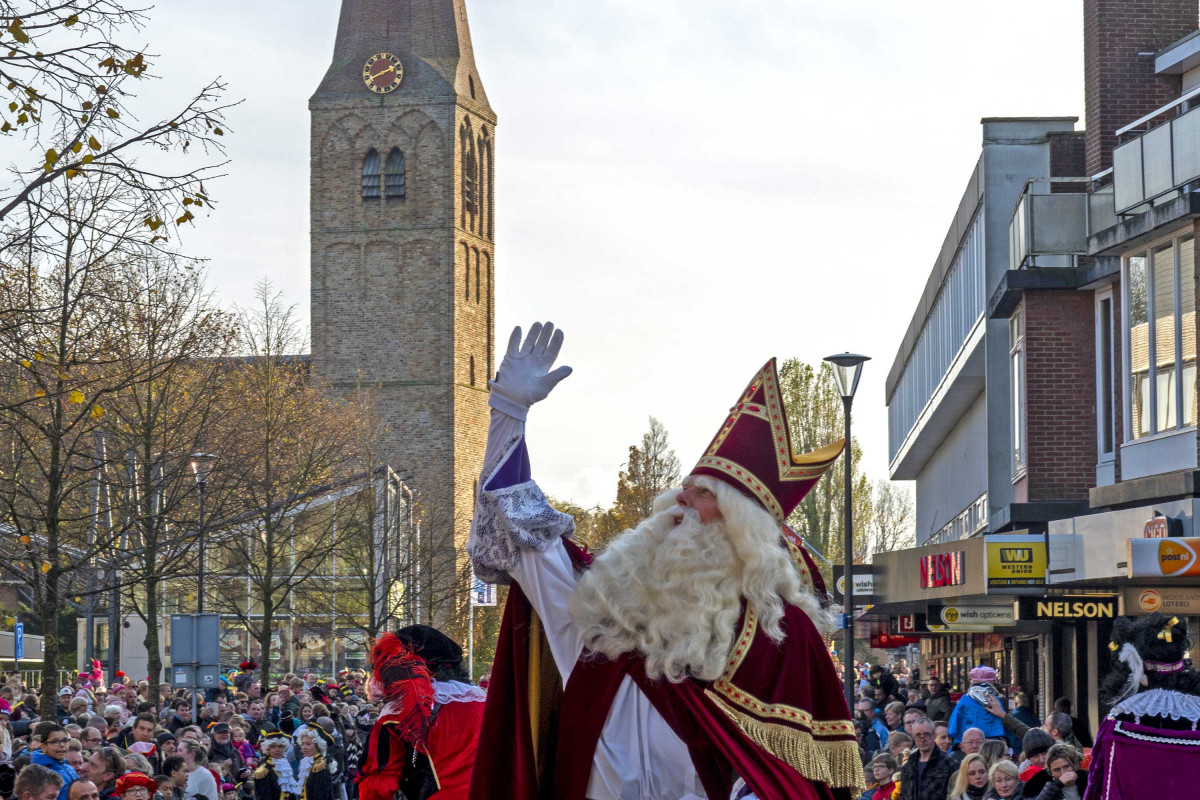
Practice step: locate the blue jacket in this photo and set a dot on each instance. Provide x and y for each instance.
(881, 731)
(968, 713)
(65, 770)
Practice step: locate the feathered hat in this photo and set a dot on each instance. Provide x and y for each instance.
(403, 664)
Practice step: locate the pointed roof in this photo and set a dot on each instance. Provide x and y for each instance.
(431, 38)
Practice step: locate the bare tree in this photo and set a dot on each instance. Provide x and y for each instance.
(286, 453)
(69, 81)
(166, 326)
(652, 468)
(68, 253)
(893, 518)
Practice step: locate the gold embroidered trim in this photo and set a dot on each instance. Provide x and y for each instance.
(741, 646)
(747, 479)
(796, 716)
(835, 763)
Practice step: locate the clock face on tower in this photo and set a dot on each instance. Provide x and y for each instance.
(382, 73)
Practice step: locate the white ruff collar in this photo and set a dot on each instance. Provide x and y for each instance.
(1160, 703)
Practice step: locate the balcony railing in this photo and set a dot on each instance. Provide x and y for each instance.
(1049, 227)
(1158, 163)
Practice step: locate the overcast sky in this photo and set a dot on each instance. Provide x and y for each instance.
(686, 187)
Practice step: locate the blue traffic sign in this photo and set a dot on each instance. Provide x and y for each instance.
(19, 641)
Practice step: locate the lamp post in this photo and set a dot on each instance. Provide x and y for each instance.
(847, 368)
(201, 467)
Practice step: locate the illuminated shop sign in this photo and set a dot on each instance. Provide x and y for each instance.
(1067, 608)
(943, 569)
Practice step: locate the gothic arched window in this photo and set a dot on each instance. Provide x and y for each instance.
(394, 174)
(466, 271)
(370, 174)
(485, 180)
(471, 367)
(470, 176)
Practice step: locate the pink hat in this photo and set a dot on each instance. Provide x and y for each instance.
(982, 674)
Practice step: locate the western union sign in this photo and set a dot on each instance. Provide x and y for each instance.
(1066, 608)
(1015, 563)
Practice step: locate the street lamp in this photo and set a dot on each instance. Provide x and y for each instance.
(847, 368)
(202, 464)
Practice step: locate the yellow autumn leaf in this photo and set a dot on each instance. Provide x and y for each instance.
(51, 156)
(18, 32)
(75, 396)
(75, 148)
(25, 539)
(26, 364)
(92, 143)
(40, 393)
(45, 566)
(97, 412)
(112, 112)
(71, 20)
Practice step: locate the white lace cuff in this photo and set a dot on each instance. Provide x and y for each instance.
(510, 519)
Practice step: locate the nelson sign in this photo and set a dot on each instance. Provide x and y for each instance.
(1066, 608)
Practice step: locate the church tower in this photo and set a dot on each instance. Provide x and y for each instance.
(402, 233)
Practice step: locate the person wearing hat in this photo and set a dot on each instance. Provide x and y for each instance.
(136, 786)
(972, 710)
(427, 734)
(1147, 746)
(1035, 744)
(223, 749)
(675, 643)
(166, 743)
(315, 772)
(274, 778)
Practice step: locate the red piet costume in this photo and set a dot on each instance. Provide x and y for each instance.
(776, 717)
(423, 744)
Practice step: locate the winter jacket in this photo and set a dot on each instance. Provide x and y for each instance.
(62, 768)
(939, 706)
(1043, 787)
(934, 783)
(881, 732)
(970, 713)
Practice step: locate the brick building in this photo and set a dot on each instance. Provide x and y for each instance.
(1044, 399)
(402, 229)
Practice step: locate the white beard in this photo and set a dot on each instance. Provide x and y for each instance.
(670, 590)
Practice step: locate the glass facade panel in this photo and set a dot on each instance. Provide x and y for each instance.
(1138, 309)
(1187, 319)
(1104, 374)
(1163, 287)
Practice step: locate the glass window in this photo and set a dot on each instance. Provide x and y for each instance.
(1160, 288)
(370, 174)
(1163, 287)
(395, 173)
(1187, 319)
(1138, 310)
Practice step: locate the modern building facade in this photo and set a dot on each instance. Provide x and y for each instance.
(1049, 417)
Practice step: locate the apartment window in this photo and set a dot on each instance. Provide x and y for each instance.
(1105, 387)
(1016, 361)
(1161, 337)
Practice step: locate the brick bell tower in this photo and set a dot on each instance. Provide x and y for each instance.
(402, 176)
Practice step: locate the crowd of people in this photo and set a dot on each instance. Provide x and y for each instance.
(303, 736)
(917, 742)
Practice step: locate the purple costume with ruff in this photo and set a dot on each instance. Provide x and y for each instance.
(1133, 761)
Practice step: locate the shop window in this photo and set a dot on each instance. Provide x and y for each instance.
(1160, 381)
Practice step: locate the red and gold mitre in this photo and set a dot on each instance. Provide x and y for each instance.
(753, 450)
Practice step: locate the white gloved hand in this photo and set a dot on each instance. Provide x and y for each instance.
(525, 377)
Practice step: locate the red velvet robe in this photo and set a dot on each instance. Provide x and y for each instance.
(777, 717)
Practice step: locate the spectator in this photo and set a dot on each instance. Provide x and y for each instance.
(200, 781)
(76, 760)
(911, 714)
(941, 733)
(176, 772)
(875, 735)
(893, 716)
(82, 789)
(971, 781)
(972, 742)
(1006, 781)
(899, 746)
(1062, 779)
(182, 717)
(142, 740)
(938, 704)
(927, 771)
(883, 772)
(1079, 728)
(1024, 710)
(165, 744)
(65, 695)
(883, 679)
(104, 767)
(55, 746)
(1036, 744)
(36, 782)
(1060, 728)
(136, 786)
(993, 750)
(223, 751)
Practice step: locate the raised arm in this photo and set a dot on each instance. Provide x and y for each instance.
(516, 533)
